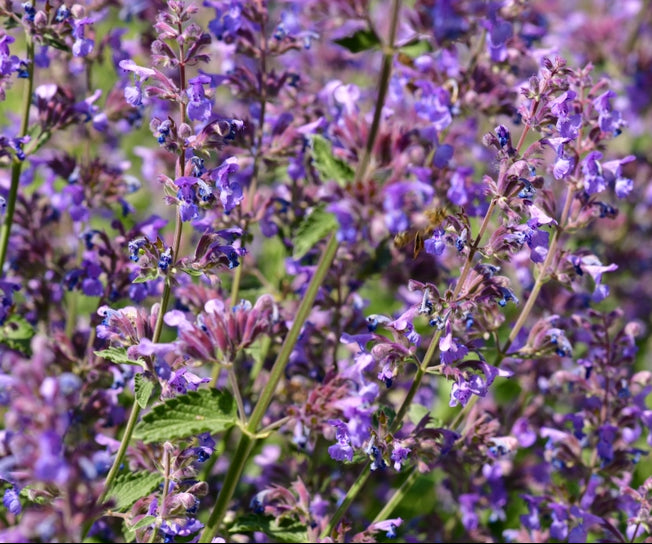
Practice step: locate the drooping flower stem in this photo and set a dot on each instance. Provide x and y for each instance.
(248, 438)
(17, 165)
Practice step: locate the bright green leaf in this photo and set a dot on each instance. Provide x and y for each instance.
(131, 486)
(17, 334)
(196, 412)
(118, 356)
(416, 49)
(329, 166)
(312, 229)
(278, 529)
(143, 387)
(130, 530)
(362, 40)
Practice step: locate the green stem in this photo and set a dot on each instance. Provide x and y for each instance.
(385, 74)
(542, 277)
(247, 440)
(17, 165)
(398, 496)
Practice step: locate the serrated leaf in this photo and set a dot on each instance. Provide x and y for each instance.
(17, 334)
(143, 388)
(329, 166)
(129, 531)
(313, 228)
(362, 40)
(279, 529)
(118, 356)
(131, 486)
(416, 49)
(196, 412)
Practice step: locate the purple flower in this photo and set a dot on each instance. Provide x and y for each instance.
(399, 455)
(450, 348)
(187, 197)
(436, 244)
(609, 119)
(389, 525)
(594, 181)
(82, 46)
(342, 451)
(230, 189)
(11, 500)
(199, 107)
(228, 19)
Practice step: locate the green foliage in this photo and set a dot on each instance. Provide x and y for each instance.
(362, 40)
(131, 486)
(144, 387)
(16, 333)
(312, 229)
(278, 529)
(196, 412)
(118, 356)
(329, 166)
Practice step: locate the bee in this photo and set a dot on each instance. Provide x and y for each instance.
(416, 236)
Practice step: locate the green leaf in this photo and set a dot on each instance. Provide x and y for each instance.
(362, 40)
(146, 275)
(313, 228)
(131, 486)
(118, 356)
(329, 166)
(196, 412)
(144, 387)
(129, 531)
(416, 49)
(17, 334)
(278, 529)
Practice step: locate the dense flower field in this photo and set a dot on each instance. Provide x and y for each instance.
(325, 271)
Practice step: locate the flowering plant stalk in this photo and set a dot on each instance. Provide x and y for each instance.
(325, 271)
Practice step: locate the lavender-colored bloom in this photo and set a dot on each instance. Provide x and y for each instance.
(610, 120)
(500, 31)
(443, 155)
(434, 105)
(606, 438)
(436, 244)
(342, 451)
(389, 525)
(347, 231)
(399, 455)
(199, 107)
(50, 465)
(470, 518)
(82, 47)
(11, 501)
(594, 181)
(228, 19)
(187, 197)
(230, 188)
(450, 348)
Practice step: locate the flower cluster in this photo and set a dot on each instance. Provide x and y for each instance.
(257, 257)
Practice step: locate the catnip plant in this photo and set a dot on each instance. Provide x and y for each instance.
(325, 271)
